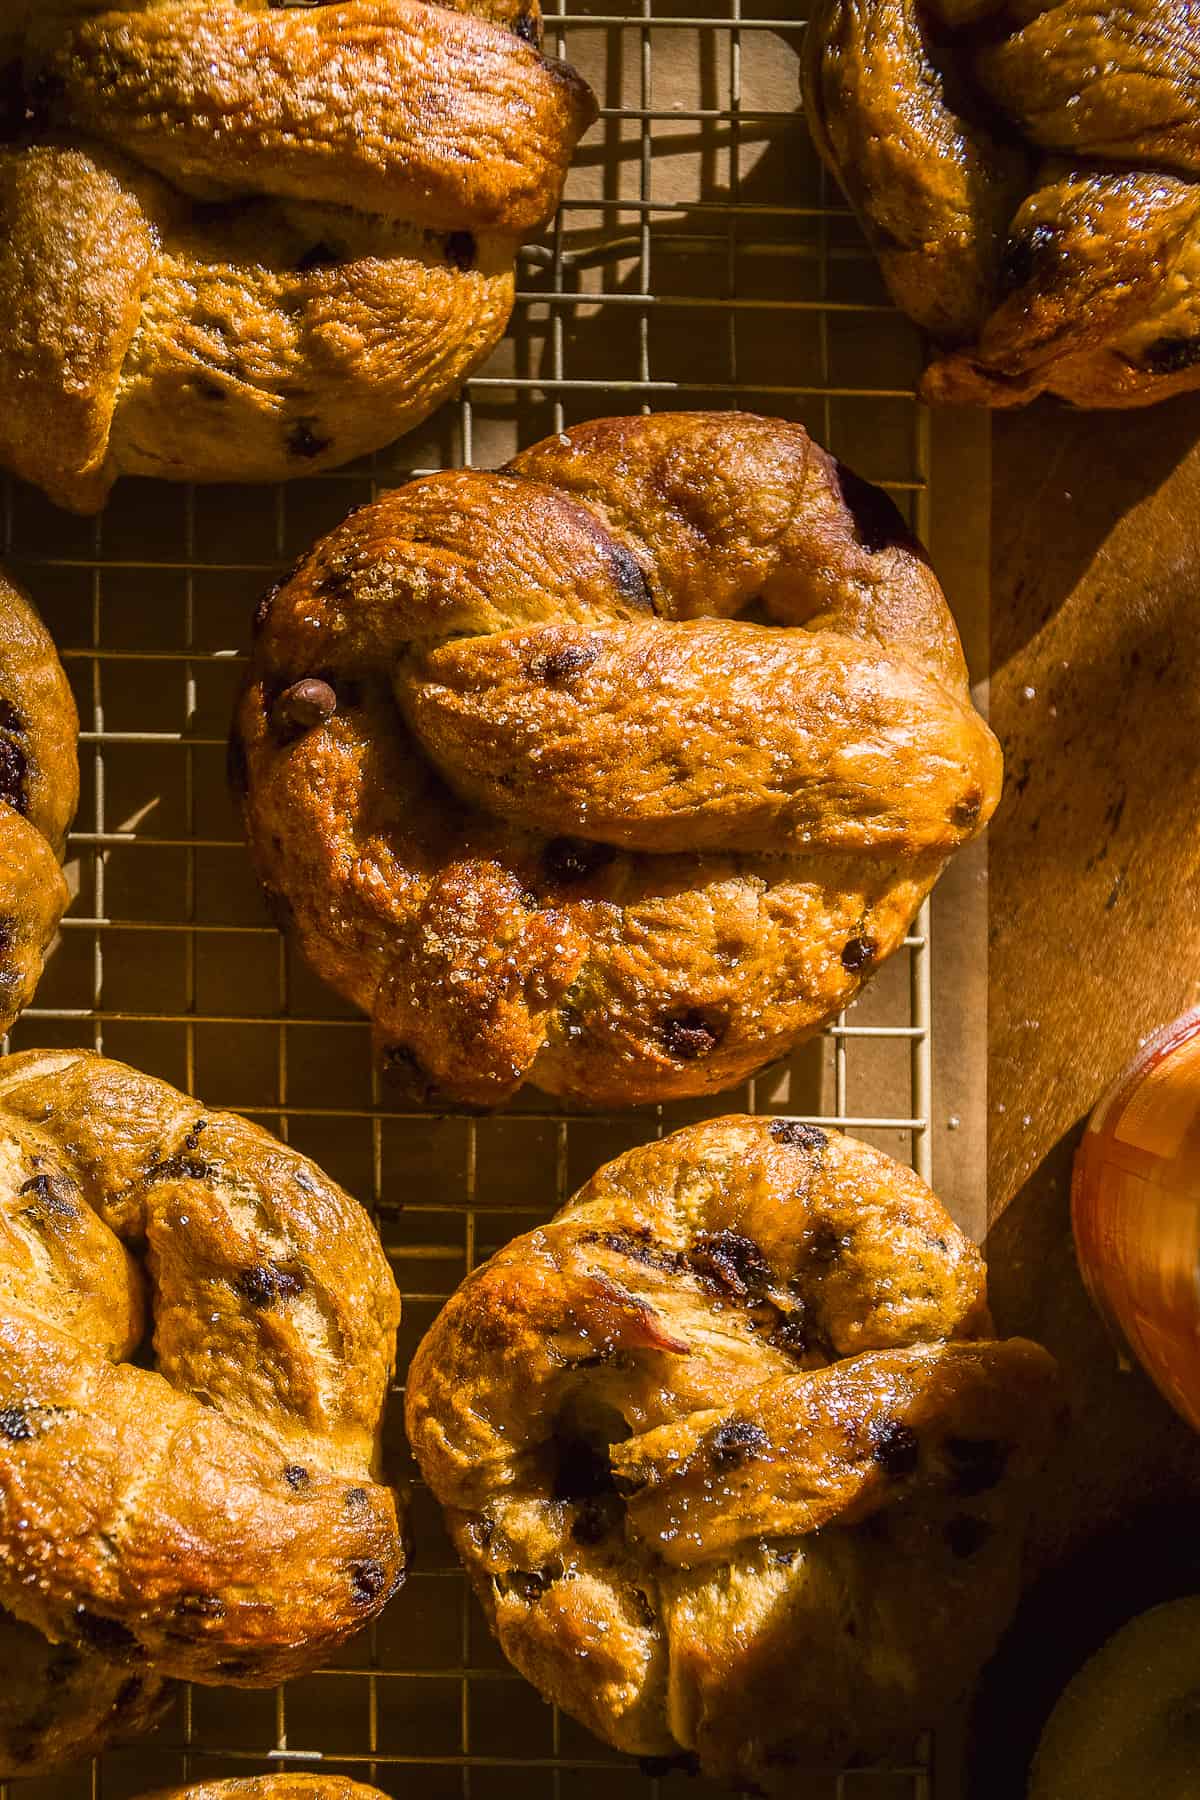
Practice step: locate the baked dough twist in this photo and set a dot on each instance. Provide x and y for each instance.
(39, 790)
(247, 241)
(728, 1453)
(1027, 176)
(272, 1787)
(189, 1436)
(539, 803)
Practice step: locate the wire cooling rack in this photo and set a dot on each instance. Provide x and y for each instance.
(698, 261)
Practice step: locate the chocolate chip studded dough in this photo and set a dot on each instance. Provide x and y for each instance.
(39, 790)
(730, 1454)
(245, 241)
(617, 771)
(1027, 177)
(197, 1334)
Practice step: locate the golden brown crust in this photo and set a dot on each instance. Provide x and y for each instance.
(728, 1454)
(272, 1787)
(214, 1516)
(379, 161)
(39, 790)
(549, 813)
(1075, 277)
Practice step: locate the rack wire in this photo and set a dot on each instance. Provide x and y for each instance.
(699, 259)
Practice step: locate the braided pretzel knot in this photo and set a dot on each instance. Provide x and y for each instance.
(39, 788)
(214, 1517)
(253, 242)
(1026, 174)
(728, 1454)
(538, 802)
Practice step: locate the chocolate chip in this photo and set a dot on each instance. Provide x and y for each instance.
(734, 1443)
(878, 521)
(689, 1035)
(54, 1193)
(967, 809)
(642, 1606)
(560, 665)
(301, 706)
(825, 1245)
(895, 1447)
(14, 775)
(296, 1476)
(528, 27)
(192, 1140)
(320, 256)
(965, 1535)
(732, 1261)
(266, 1285)
(792, 1335)
(568, 860)
(304, 440)
(104, 1634)
(367, 1582)
(1033, 255)
(630, 578)
(530, 1584)
(857, 953)
(1171, 355)
(638, 1246)
(356, 1497)
(460, 250)
(977, 1463)
(181, 1168)
(800, 1137)
(15, 1424)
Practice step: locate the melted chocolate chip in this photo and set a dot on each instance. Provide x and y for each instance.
(642, 1606)
(729, 1260)
(265, 1286)
(367, 1582)
(192, 1140)
(895, 1447)
(54, 1195)
(568, 860)
(825, 1246)
(15, 1424)
(14, 775)
(530, 1584)
(857, 953)
(967, 809)
(305, 441)
(181, 1168)
(460, 250)
(630, 578)
(736, 1442)
(301, 706)
(792, 1335)
(878, 521)
(560, 665)
(687, 1036)
(114, 1639)
(356, 1497)
(296, 1476)
(1031, 256)
(965, 1535)
(800, 1137)
(638, 1246)
(978, 1464)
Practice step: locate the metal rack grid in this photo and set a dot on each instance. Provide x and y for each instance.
(698, 260)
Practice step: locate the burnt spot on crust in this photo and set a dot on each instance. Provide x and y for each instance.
(630, 578)
(966, 810)
(301, 706)
(108, 1635)
(1171, 355)
(858, 953)
(878, 522)
(736, 1442)
(460, 250)
(688, 1036)
(732, 1262)
(895, 1447)
(304, 440)
(367, 1582)
(555, 666)
(320, 255)
(296, 1476)
(181, 1167)
(53, 1194)
(1032, 256)
(977, 1464)
(965, 1535)
(15, 1424)
(528, 1584)
(568, 860)
(14, 763)
(799, 1137)
(265, 1285)
(528, 27)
